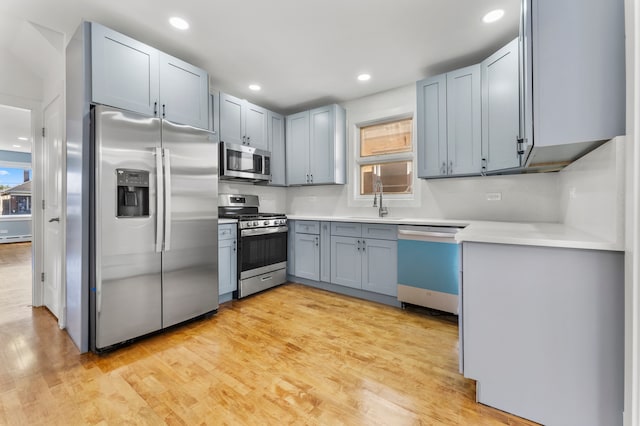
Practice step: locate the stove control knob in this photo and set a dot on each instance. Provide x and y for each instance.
(254, 223)
(266, 223)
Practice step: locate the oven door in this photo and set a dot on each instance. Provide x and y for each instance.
(262, 250)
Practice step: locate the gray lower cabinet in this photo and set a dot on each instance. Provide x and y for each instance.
(307, 250)
(543, 331)
(365, 263)
(316, 146)
(227, 259)
(449, 124)
(131, 75)
(501, 109)
(325, 251)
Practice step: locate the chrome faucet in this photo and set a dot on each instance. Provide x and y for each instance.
(378, 189)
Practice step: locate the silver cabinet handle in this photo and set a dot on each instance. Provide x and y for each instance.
(244, 140)
(317, 241)
(234, 245)
(248, 140)
(364, 245)
(155, 108)
(311, 178)
(307, 177)
(443, 170)
(54, 219)
(451, 167)
(358, 246)
(483, 169)
(164, 112)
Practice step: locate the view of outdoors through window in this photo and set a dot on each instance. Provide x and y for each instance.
(386, 156)
(15, 191)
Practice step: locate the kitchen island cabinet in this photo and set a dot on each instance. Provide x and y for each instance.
(227, 261)
(543, 331)
(131, 75)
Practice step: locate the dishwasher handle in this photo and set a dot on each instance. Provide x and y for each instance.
(427, 235)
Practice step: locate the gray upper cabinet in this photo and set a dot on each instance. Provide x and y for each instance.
(242, 122)
(316, 146)
(298, 148)
(432, 126)
(500, 109)
(277, 149)
(184, 92)
(464, 137)
(449, 124)
(130, 75)
(573, 75)
(124, 72)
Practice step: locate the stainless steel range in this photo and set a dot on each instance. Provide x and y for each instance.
(262, 243)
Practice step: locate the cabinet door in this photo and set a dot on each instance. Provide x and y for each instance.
(321, 145)
(231, 120)
(500, 109)
(380, 266)
(431, 118)
(464, 132)
(346, 262)
(184, 92)
(298, 148)
(307, 256)
(124, 72)
(227, 266)
(256, 125)
(325, 251)
(276, 146)
(291, 248)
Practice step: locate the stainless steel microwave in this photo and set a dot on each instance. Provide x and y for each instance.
(241, 162)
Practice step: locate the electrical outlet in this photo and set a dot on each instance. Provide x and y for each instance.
(494, 196)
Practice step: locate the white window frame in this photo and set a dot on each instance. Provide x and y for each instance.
(392, 199)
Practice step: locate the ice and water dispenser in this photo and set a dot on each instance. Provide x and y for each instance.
(133, 193)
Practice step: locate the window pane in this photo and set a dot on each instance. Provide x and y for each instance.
(15, 191)
(386, 138)
(396, 177)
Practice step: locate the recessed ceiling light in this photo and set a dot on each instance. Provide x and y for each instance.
(17, 146)
(179, 23)
(493, 16)
(364, 77)
(255, 87)
(22, 138)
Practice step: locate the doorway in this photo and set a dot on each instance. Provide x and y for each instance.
(16, 253)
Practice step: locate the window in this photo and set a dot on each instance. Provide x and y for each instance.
(386, 157)
(15, 191)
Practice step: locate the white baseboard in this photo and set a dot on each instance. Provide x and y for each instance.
(428, 298)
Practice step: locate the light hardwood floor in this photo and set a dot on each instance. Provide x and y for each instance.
(292, 355)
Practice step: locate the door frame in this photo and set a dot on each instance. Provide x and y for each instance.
(37, 289)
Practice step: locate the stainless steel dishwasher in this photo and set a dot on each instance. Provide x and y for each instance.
(429, 267)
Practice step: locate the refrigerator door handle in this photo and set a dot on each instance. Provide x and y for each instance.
(159, 201)
(167, 200)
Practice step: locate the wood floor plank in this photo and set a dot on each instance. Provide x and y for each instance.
(291, 355)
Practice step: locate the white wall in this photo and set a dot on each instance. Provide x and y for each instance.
(531, 197)
(17, 80)
(592, 192)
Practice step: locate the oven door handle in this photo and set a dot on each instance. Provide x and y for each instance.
(263, 231)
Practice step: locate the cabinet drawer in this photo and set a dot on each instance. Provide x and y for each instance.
(380, 231)
(308, 227)
(227, 231)
(346, 229)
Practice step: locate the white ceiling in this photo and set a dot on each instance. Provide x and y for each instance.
(302, 53)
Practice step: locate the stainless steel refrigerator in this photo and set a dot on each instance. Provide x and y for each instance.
(154, 225)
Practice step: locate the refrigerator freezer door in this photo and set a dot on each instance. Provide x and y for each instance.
(128, 284)
(190, 259)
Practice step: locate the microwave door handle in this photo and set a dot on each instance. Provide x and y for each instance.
(159, 201)
(167, 200)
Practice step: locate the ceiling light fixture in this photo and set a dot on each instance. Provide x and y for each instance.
(255, 87)
(364, 77)
(179, 23)
(17, 146)
(22, 138)
(493, 16)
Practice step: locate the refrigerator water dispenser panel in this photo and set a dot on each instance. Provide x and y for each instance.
(133, 193)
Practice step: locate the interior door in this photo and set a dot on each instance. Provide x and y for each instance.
(190, 257)
(53, 190)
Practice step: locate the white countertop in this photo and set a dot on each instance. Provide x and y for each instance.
(532, 234)
(224, 221)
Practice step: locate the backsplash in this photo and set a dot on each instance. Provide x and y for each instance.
(272, 199)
